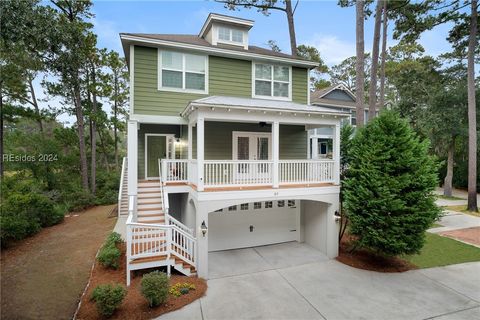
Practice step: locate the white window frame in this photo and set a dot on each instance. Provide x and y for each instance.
(230, 32)
(272, 81)
(183, 71)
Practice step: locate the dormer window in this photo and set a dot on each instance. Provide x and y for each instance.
(226, 34)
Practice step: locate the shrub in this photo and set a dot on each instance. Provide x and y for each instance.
(388, 192)
(154, 288)
(181, 288)
(108, 298)
(109, 255)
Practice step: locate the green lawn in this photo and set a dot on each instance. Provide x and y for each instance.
(436, 225)
(442, 251)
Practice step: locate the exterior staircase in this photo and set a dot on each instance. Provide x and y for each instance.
(150, 202)
(155, 238)
(123, 198)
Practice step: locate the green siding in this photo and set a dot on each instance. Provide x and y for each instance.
(227, 77)
(293, 142)
(230, 77)
(300, 85)
(151, 128)
(147, 98)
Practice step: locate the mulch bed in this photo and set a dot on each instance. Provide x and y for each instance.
(468, 235)
(368, 260)
(134, 305)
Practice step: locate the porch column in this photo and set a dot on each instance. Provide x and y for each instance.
(132, 154)
(276, 152)
(336, 153)
(314, 148)
(200, 152)
(189, 152)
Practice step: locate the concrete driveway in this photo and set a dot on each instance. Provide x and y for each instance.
(294, 281)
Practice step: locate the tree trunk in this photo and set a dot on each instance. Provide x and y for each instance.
(1, 134)
(35, 105)
(81, 138)
(291, 26)
(105, 150)
(360, 71)
(93, 136)
(372, 100)
(447, 184)
(115, 119)
(472, 117)
(384, 53)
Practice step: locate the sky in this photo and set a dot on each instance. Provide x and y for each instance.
(323, 24)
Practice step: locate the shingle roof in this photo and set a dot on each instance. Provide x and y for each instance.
(196, 40)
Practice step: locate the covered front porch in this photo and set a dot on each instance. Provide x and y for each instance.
(230, 144)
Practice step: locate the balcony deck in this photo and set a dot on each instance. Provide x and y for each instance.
(256, 187)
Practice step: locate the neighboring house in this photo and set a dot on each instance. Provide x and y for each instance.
(336, 98)
(218, 149)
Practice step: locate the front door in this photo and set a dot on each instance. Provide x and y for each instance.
(156, 147)
(252, 146)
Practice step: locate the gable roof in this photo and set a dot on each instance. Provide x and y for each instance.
(194, 42)
(318, 97)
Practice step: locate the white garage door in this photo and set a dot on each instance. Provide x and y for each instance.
(253, 224)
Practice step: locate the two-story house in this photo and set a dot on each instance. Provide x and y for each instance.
(218, 149)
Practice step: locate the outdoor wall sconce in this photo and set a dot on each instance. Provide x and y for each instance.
(203, 228)
(337, 216)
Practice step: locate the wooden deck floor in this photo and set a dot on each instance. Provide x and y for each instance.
(259, 187)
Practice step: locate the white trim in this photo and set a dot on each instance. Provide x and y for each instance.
(234, 20)
(339, 86)
(143, 118)
(250, 134)
(166, 135)
(220, 51)
(272, 81)
(183, 71)
(132, 76)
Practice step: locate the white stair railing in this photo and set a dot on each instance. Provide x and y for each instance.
(120, 188)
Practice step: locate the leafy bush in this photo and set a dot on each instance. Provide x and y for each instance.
(388, 192)
(154, 288)
(25, 214)
(181, 288)
(107, 187)
(108, 298)
(109, 255)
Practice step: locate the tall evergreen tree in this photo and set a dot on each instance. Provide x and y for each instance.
(388, 192)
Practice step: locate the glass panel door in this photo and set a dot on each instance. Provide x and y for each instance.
(156, 149)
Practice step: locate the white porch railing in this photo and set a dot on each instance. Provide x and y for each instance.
(175, 170)
(224, 173)
(306, 171)
(237, 173)
(120, 188)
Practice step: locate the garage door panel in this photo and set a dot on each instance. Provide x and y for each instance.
(231, 230)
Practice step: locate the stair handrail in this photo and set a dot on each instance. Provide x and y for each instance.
(180, 225)
(120, 188)
(161, 175)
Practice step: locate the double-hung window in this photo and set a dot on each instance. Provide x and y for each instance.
(182, 72)
(272, 81)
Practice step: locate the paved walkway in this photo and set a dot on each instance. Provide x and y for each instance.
(453, 220)
(310, 286)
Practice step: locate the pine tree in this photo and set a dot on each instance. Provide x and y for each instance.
(388, 192)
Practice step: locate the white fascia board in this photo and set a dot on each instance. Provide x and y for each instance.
(242, 115)
(143, 118)
(261, 111)
(234, 20)
(219, 51)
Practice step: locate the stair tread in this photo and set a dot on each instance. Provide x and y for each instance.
(149, 259)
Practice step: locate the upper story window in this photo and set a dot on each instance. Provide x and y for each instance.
(272, 81)
(182, 72)
(230, 35)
